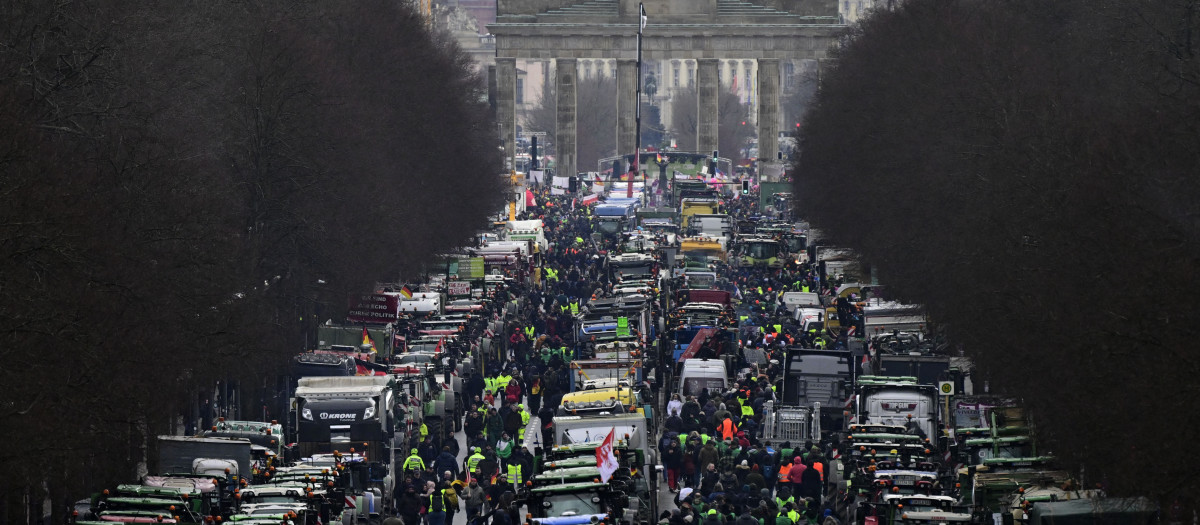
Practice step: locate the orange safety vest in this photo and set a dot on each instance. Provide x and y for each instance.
(726, 429)
(783, 472)
(820, 468)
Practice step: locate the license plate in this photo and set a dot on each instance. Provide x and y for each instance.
(904, 482)
(1023, 464)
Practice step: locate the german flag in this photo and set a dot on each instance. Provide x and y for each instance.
(406, 292)
(367, 340)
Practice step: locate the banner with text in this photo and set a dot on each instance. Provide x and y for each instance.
(373, 308)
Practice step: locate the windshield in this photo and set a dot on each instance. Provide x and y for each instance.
(609, 225)
(796, 244)
(573, 504)
(692, 386)
(762, 250)
(695, 280)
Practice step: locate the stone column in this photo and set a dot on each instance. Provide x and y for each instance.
(564, 129)
(626, 98)
(768, 109)
(707, 88)
(506, 106)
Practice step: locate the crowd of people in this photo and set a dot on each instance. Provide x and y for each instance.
(714, 459)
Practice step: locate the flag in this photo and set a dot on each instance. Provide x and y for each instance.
(642, 8)
(406, 292)
(529, 200)
(733, 86)
(368, 342)
(606, 460)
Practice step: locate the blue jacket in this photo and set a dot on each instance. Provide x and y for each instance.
(445, 461)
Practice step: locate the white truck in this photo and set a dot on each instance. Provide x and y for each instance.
(532, 230)
(900, 401)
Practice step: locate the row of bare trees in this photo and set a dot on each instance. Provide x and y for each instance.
(182, 184)
(1028, 170)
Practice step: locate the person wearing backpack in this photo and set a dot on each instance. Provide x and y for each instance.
(451, 494)
(435, 505)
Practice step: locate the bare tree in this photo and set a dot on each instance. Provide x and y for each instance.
(1025, 170)
(174, 180)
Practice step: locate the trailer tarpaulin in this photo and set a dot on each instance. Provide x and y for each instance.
(698, 341)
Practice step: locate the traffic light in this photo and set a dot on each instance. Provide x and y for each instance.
(745, 187)
(573, 184)
(712, 166)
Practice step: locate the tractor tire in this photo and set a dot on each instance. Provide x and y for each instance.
(436, 434)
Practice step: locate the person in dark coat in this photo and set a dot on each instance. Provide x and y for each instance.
(512, 422)
(410, 506)
(494, 425)
(673, 462)
(810, 482)
(546, 416)
(446, 461)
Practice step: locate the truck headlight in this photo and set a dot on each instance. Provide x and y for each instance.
(306, 414)
(369, 413)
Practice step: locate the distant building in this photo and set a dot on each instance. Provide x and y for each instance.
(852, 11)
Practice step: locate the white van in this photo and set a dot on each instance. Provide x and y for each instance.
(698, 374)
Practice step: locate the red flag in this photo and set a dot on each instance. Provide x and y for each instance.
(530, 201)
(606, 460)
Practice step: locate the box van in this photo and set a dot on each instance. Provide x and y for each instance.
(698, 374)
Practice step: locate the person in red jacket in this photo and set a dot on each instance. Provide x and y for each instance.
(796, 475)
